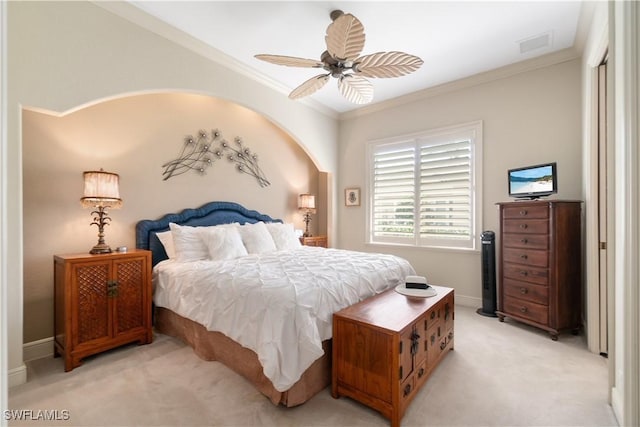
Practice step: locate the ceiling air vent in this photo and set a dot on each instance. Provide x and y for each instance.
(535, 42)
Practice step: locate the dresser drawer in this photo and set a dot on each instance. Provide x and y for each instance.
(528, 241)
(526, 273)
(525, 212)
(526, 226)
(527, 257)
(526, 291)
(525, 309)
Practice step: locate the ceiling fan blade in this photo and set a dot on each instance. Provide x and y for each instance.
(345, 37)
(290, 61)
(356, 89)
(310, 86)
(387, 64)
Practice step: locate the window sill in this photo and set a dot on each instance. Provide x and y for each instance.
(423, 248)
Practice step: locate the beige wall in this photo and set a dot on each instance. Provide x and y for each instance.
(134, 137)
(528, 118)
(66, 55)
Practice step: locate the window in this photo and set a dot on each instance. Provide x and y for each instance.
(425, 189)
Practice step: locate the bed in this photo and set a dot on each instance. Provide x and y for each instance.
(263, 311)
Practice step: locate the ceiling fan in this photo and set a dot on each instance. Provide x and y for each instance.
(345, 40)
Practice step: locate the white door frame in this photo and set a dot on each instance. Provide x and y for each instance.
(4, 367)
(592, 251)
(625, 394)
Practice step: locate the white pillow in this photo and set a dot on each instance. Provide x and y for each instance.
(284, 236)
(166, 238)
(188, 244)
(256, 238)
(223, 242)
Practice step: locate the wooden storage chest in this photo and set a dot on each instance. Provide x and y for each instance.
(385, 348)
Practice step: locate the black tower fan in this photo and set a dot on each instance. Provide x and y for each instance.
(488, 239)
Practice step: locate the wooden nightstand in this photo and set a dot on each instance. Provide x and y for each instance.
(101, 302)
(314, 241)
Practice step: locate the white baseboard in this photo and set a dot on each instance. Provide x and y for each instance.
(38, 349)
(466, 301)
(616, 404)
(17, 376)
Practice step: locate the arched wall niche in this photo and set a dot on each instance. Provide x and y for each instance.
(265, 114)
(134, 135)
(66, 54)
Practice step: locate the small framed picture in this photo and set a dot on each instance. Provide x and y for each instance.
(352, 197)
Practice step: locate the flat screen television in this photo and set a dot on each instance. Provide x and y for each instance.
(532, 182)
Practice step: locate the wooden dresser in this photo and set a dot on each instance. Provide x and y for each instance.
(385, 348)
(540, 264)
(101, 302)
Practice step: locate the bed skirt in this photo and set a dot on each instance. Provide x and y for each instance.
(210, 345)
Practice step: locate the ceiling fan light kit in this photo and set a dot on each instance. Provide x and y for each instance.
(345, 40)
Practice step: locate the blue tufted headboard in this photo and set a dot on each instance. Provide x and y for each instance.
(213, 213)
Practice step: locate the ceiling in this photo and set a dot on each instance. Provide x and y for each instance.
(455, 39)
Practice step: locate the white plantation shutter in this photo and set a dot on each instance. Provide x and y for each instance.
(424, 191)
(445, 190)
(393, 205)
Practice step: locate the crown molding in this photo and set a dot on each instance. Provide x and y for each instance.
(558, 57)
(144, 20)
(587, 10)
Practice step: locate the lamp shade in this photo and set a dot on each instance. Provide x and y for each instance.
(306, 201)
(101, 189)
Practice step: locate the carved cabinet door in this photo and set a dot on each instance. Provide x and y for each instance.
(92, 310)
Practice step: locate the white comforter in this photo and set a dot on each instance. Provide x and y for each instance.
(278, 304)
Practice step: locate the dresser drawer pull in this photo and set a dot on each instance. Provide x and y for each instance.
(524, 241)
(433, 315)
(523, 309)
(523, 212)
(524, 273)
(443, 344)
(524, 226)
(407, 389)
(524, 256)
(420, 372)
(523, 291)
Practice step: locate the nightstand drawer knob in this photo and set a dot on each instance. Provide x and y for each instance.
(112, 288)
(523, 309)
(523, 291)
(523, 212)
(524, 226)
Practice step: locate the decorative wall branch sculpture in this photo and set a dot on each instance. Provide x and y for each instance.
(198, 154)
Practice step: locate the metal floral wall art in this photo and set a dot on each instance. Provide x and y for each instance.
(199, 153)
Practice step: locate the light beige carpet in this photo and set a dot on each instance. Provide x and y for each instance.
(500, 374)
